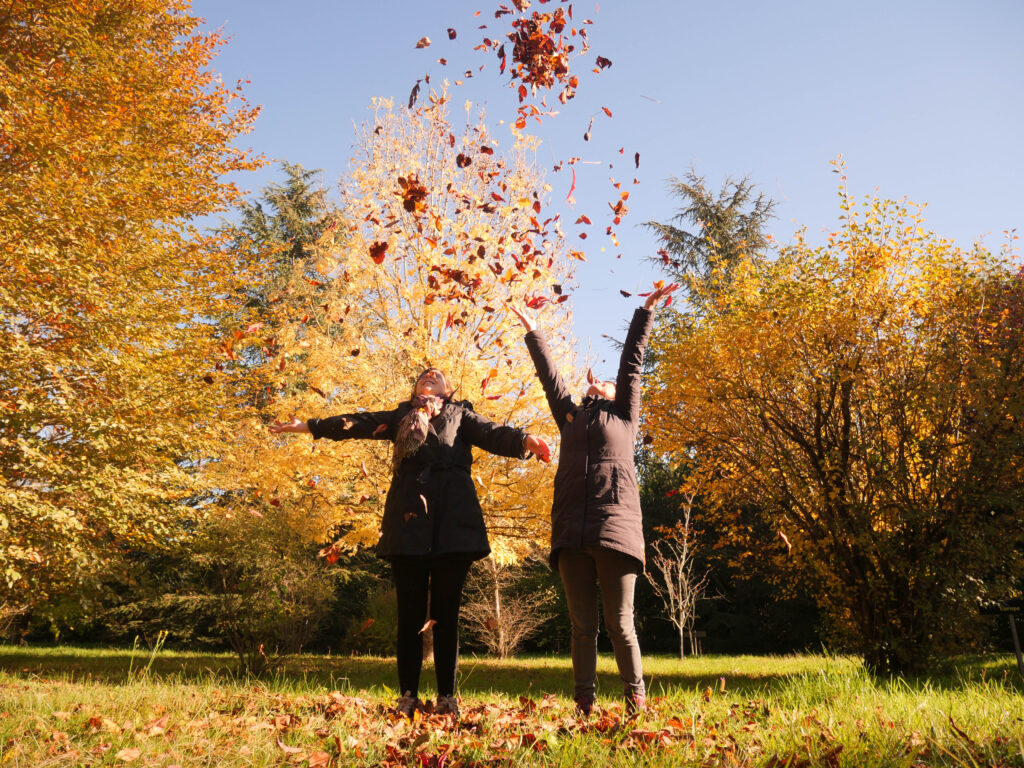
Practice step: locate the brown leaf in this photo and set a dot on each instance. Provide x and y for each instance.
(423, 42)
(451, 33)
(366, 625)
(428, 625)
(319, 760)
(128, 754)
(636, 159)
(603, 63)
(377, 251)
(285, 748)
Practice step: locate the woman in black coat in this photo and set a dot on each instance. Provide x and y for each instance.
(596, 523)
(433, 526)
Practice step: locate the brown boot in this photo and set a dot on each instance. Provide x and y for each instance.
(635, 703)
(584, 705)
(407, 705)
(447, 705)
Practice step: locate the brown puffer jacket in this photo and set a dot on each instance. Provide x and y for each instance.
(596, 500)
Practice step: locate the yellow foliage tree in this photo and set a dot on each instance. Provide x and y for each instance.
(114, 136)
(437, 230)
(866, 397)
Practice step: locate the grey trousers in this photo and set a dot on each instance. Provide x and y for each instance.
(582, 569)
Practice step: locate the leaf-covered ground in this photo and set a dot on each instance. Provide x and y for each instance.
(68, 706)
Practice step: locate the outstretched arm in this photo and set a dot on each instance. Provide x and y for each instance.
(368, 425)
(628, 384)
(559, 399)
(502, 440)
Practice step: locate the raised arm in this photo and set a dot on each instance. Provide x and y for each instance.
(559, 400)
(628, 382)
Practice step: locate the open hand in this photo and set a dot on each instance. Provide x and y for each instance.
(289, 426)
(524, 318)
(661, 293)
(538, 448)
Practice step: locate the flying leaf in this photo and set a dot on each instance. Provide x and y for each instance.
(451, 33)
(603, 63)
(423, 42)
(627, 294)
(636, 159)
(427, 626)
(607, 111)
(583, 220)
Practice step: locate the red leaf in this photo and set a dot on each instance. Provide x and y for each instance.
(572, 188)
(451, 33)
(636, 159)
(486, 150)
(423, 42)
(377, 251)
(607, 111)
(603, 63)
(583, 220)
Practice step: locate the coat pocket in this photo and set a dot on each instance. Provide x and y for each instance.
(604, 483)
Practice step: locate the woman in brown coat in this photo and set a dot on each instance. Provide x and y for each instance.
(596, 523)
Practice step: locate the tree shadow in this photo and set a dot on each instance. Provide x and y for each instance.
(523, 676)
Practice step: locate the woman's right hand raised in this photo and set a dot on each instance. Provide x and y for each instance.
(524, 318)
(289, 426)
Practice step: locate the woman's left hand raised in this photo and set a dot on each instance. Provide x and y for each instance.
(538, 448)
(661, 293)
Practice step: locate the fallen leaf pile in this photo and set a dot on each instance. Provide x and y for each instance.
(338, 729)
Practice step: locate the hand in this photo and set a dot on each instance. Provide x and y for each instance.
(289, 426)
(664, 292)
(525, 319)
(538, 448)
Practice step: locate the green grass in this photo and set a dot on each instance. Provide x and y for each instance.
(73, 706)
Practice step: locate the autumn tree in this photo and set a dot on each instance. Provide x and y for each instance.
(115, 137)
(438, 228)
(865, 395)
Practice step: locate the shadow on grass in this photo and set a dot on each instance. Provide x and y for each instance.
(746, 677)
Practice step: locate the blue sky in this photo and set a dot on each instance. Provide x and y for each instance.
(922, 99)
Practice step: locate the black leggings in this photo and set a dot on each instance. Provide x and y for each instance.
(444, 578)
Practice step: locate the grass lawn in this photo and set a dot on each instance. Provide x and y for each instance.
(75, 706)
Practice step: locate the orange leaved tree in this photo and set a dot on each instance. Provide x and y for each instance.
(866, 396)
(115, 135)
(438, 227)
